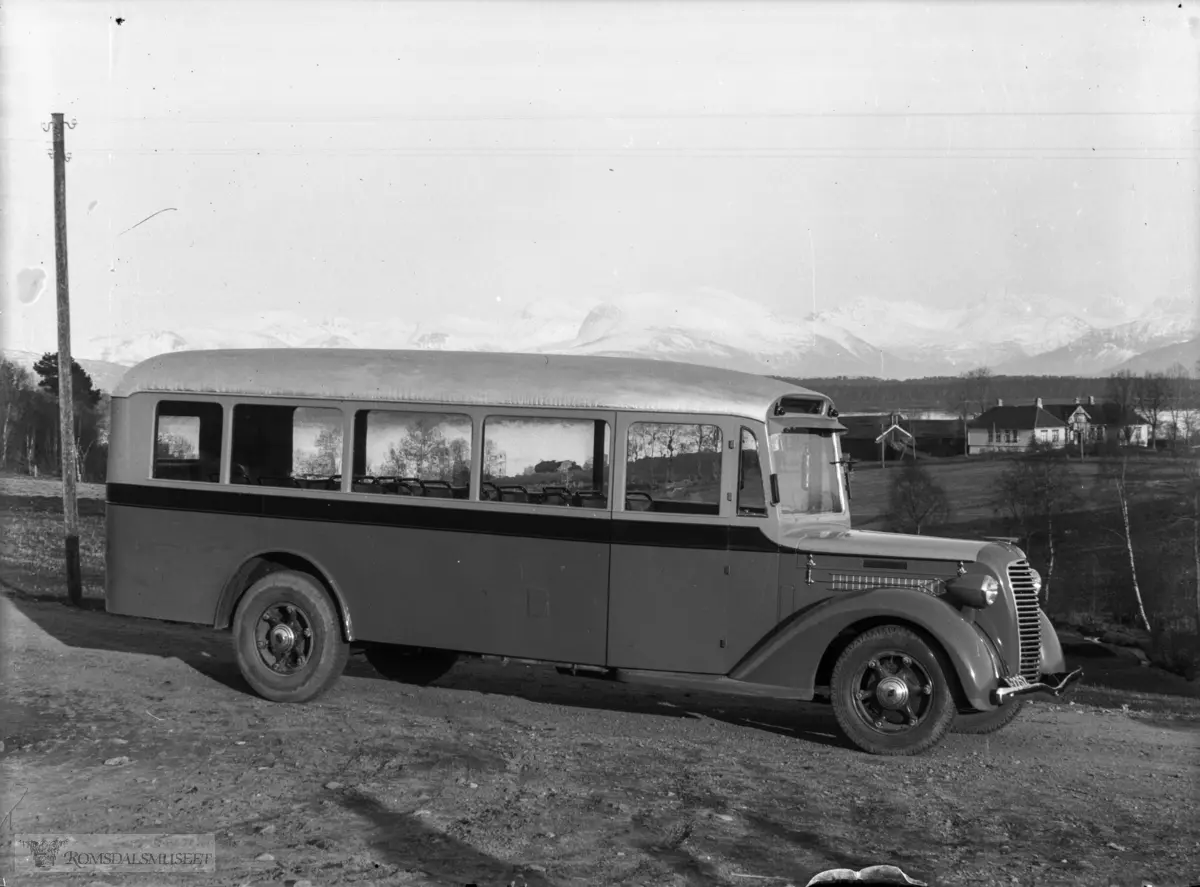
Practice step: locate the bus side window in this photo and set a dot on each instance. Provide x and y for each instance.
(287, 446)
(187, 441)
(752, 501)
(545, 461)
(409, 453)
(673, 468)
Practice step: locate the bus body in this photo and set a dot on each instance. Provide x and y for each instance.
(637, 519)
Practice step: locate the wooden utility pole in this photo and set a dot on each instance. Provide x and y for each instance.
(66, 401)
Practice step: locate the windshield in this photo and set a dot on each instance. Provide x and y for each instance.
(806, 463)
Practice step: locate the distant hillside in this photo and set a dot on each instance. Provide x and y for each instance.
(1162, 359)
(105, 374)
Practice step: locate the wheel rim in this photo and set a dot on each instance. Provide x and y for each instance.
(284, 637)
(893, 693)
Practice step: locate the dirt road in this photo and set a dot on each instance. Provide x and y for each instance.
(501, 774)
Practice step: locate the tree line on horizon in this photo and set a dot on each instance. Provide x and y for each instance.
(977, 390)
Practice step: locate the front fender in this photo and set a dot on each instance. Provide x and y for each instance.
(792, 656)
(1053, 660)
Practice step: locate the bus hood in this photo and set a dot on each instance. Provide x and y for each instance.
(871, 543)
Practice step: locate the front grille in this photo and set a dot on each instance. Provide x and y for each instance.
(1020, 576)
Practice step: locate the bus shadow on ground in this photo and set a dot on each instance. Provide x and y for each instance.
(210, 653)
(543, 685)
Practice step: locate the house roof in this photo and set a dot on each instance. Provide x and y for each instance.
(869, 427)
(1017, 417)
(1064, 411)
(1097, 413)
(467, 378)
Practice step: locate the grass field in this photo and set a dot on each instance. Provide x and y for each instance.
(970, 485)
(32, 547)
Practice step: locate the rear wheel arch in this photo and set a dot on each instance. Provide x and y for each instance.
(265, 563)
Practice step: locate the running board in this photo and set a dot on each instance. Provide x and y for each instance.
(709, 684)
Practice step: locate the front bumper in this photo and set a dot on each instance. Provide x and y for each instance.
(1054, 684)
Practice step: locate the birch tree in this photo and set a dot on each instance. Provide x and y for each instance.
(1115, 472)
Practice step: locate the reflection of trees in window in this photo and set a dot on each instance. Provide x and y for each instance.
(174, 446)
(324, 456)
(495, 462)
(187, 441)
(423, 446)
(675, 460)
(545, 460)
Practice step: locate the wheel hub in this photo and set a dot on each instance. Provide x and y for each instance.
(282, 639)
(892, 693)
(285, 639)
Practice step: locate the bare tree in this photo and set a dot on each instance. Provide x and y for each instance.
(1123, 395)
(974, 389)
(1033, 492)
(1115, 472)
(915, 499)
(15, 381)
(1152, 394)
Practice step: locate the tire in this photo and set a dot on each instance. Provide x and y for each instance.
(979, 723)
(306, 656)
(904, 721)
(409, 665)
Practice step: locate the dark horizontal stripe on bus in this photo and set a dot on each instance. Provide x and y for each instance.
(476, 518)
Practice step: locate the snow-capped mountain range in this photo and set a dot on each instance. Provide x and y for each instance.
(866, 337)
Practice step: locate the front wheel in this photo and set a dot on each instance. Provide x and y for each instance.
(891, 692)
(980, 723)
(288, 639)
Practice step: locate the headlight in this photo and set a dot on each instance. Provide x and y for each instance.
(974, 590)
(1036, 578)
(991, 589)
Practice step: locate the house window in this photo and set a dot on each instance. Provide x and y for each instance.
(991, 435)
(1054, 435)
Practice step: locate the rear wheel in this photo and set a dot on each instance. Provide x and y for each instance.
(891, 692)
(981, 722)
(409, 665)
(288, 638)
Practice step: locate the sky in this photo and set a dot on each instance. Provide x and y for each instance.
(395, 160)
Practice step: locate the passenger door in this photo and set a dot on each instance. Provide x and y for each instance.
(669, 573)
(755, 602)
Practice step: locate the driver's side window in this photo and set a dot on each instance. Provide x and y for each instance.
(673, 468)
(751, 496)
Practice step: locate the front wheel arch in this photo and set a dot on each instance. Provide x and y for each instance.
(848, 635)
(263, 564)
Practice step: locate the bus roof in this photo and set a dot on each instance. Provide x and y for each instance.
(469, 378)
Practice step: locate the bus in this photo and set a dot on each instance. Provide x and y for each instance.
(631, 519)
